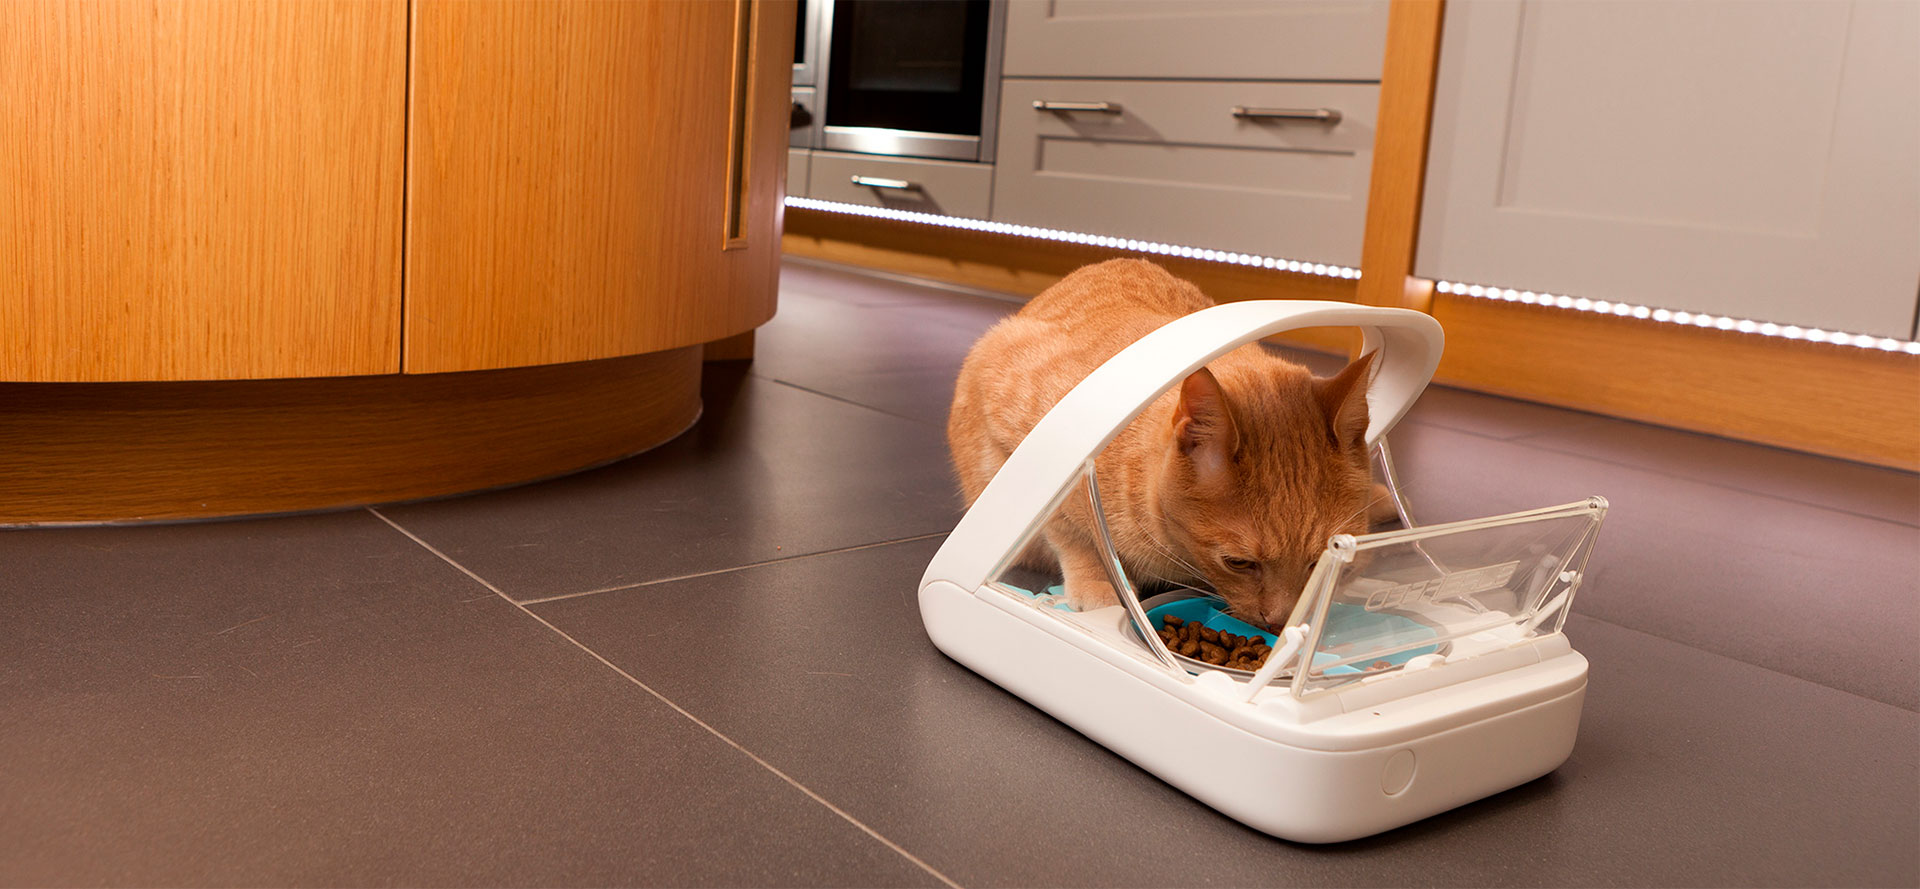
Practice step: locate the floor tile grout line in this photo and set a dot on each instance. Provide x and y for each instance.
(780, 561)
(844, 815)
(848, 401)
(1526, 441)
(864, 546)
(1738, 660)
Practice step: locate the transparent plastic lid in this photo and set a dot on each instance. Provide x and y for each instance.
(1377, 602)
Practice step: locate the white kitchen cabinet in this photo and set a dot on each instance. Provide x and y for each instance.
(799, 165)
(1171, 162)
(1758, 159)
(948, 188)
(1220, 39)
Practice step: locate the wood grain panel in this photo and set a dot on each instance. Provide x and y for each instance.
(200, 189)
(1400, 156)
(567, 179)
(1859, 404)
(120, 451)
(1022, 267)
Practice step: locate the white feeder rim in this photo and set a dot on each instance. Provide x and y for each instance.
(1041, 472)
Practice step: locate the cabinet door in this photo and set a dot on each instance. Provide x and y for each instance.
(799, 167)
(949, 188)
(200, 189)
(1171, 162)
(1227, 39)
(571, 177)
(1753, 159)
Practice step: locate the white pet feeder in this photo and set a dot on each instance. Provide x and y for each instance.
(1424, 668)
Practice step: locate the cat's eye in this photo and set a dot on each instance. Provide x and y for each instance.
(1238, 564)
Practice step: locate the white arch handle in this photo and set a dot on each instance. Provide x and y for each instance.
(1025, 492)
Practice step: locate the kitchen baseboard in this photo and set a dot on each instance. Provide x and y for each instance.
(118, 452)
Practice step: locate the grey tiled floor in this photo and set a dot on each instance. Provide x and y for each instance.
(703, 666)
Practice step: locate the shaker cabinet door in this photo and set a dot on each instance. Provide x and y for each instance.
(1174, 162)
(1758, 159)
(948, 188)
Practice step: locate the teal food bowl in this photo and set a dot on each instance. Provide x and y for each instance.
(1348, 626)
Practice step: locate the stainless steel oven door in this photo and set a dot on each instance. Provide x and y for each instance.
(806, 45)
(911, 77)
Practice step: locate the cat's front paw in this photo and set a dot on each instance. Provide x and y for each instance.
(1087, 595)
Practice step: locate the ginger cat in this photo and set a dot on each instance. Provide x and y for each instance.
(1235, 478)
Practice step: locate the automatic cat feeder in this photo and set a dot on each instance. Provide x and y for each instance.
(1423, 668)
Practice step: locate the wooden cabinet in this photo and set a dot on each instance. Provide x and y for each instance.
(563, 200)
(1172, 162)
(569, 185)
(200, 190)
(219, 189)
(1221, 39)
(1752, 159)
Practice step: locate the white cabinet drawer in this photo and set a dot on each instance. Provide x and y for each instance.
(799, 163)
(922, 186)
(1174, 164)
(1222, 39)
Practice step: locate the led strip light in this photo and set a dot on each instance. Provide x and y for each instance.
(1529, 297)
(1054, 234)
(1690, 319)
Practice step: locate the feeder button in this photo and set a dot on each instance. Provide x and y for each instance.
(1398, 774)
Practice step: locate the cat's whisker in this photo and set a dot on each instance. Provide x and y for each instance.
(1166, 549)
(1367, 510)
(1402, 488)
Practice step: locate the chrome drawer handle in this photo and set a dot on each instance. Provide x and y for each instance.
(877, 182)
(1102, 107)
(1323, 115)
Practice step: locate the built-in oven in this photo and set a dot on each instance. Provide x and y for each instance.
(912, 78)
(805, 120)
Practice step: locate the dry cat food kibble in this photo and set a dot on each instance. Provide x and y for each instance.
(1211, 646)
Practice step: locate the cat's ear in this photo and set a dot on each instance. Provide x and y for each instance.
(1343, 399)
(1203, 425)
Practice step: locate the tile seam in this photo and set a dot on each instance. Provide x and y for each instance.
(789, 779)
(1739, 660)
(698, 574)
(847, 401)
(1530, 442)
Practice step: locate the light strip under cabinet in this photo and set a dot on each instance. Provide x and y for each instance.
(1689, 319)
(1529, 297)
(1053, 234)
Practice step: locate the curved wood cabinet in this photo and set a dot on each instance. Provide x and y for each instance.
(552, 144)
(377, 193)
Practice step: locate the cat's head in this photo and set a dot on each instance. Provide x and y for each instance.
(1262, 467)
